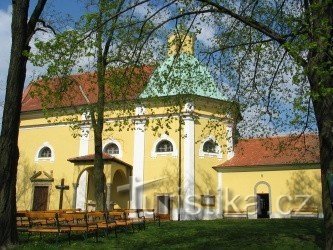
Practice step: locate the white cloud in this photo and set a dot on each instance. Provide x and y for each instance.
(5, 43)
(206, 31)
(32, 71)
(142, 10)
(148, 9)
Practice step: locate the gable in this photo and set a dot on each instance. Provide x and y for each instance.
(41, 176)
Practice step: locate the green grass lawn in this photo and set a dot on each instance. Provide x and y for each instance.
(226, 234)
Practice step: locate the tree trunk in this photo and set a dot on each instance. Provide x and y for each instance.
(99, 177)
(319, 74)
(21, 31)
(9, 152)
(323, 107)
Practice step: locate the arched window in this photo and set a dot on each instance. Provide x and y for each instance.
(45, 152)
(210, 147)
(164, 146)
(111, 149)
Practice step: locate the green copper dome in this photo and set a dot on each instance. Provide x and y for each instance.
(182, 75)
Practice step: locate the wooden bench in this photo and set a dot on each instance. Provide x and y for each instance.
(307, 212)
(136, 219)
(43, 222)
(103, 221)
(78, 223)
(235, 214)
(119, 217)
(22, 221)
(149, 215)
(59, 211)
(26, 219)
(60, 222)
(41, 218)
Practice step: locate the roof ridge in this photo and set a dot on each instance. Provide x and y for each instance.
(255, 152)
(85, 84)
(280, 136)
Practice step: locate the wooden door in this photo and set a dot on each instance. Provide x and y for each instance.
(263, 205)
(40, 198)
(163, 206)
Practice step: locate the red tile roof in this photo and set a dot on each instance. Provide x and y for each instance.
(80, 89)
(272, 151)
(91, 157)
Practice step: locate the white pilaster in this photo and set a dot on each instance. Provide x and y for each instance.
(84, 140)
(138, 161)
(174, 214)
(81, 190)
(188, 167)
(219, 205)
(230, 144)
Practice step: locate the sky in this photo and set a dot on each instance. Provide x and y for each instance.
(73, 9)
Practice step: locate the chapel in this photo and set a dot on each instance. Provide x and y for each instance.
(174, 149)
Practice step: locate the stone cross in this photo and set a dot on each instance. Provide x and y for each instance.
(61, 187)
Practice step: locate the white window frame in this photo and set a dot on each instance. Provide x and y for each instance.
(120, 154)
(50, 159)
(164, 137)
(218, 153)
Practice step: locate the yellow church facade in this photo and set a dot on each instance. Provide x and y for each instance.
(140, 157)
(279, 177)
(176, 155)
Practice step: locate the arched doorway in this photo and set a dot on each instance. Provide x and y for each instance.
(81, 192)
(262, 190)
(85, 194)
(116, 173)
(120, 197)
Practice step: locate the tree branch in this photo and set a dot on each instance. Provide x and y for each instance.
(112, 17)
(41, 21)
(281, 39)
(35, 17)
(254, 84)
(248, 21)
(170, 19)
(306, 125)
(238, 45)
(154, 14)
(272, 82)
(110, 38)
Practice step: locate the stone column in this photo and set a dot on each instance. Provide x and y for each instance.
(74, 195)
(189, 167)
(81, 191)
(138, 160)
(84, 140)
(219, 204)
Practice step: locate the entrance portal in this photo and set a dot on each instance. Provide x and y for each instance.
(81, 193)
(116, 174)
(41, 194)
(163, 206)
(85, 195)
(263, 205)
(121, 198)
